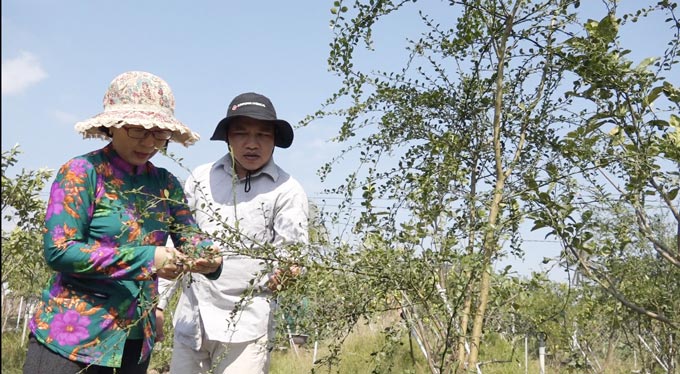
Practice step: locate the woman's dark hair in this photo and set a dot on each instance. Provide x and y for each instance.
(106, 131)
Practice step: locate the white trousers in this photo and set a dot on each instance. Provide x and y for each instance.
(250, 357)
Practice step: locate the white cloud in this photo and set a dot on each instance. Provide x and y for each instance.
(21, 72)
(320, 143)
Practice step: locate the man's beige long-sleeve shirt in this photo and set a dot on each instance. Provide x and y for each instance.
(237, 306)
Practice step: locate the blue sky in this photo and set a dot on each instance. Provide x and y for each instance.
(63, 57)
(58, 58)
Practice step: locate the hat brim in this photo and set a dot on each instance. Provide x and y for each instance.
(92, 127)
(284, 131)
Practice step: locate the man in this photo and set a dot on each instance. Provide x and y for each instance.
(258, 212)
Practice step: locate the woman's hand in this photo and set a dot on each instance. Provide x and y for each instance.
(169, 262)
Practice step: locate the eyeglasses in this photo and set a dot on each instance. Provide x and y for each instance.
(142, 133)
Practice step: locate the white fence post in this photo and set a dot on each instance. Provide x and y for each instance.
(30, 306)
(541, 352)
(7, 303)
(526, 354)
(21, 306)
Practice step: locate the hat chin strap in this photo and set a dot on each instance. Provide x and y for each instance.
(247, 186)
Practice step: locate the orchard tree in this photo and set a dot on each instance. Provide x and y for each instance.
(474, 109)
(475, 120)
(618, 215)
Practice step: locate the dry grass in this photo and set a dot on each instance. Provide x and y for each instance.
(357, 354)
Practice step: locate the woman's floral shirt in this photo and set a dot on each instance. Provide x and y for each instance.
(104, 219)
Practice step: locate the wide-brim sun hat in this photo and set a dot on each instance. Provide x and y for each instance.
(141, 99)
(254, 105)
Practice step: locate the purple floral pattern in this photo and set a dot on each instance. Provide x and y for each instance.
(69, 328)
(56, 203)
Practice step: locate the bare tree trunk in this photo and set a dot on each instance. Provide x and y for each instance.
(478, 322)
(611, 352)
(463, 346)
(490, 245)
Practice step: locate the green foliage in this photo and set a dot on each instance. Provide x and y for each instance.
(473, 110)
(503, 112)
(13, 353)
(162, 353)
(23, 210)
(362, 352)
(617, 212)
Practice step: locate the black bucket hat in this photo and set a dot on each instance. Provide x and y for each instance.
(255, 106)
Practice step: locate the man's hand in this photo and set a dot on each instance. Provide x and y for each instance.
(283, 277)
(160, 321)
(209, 263)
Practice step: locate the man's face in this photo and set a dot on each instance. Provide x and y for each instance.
(252, 143)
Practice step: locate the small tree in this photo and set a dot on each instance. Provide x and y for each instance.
(23, 212)
(475, 121)
(471, 112)
(613, 215)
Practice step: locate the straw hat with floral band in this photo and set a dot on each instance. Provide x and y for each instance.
(141, 99)
(255, 106)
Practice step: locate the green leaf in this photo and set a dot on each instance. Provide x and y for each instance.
(608, 28)
(653, 95)
(646, 62)
(672, 194)
(675, 122)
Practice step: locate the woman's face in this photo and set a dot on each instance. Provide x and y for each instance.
(137, 145)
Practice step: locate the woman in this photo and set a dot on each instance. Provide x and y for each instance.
(109, 216)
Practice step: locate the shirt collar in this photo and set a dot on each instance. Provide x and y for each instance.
(270, 169)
